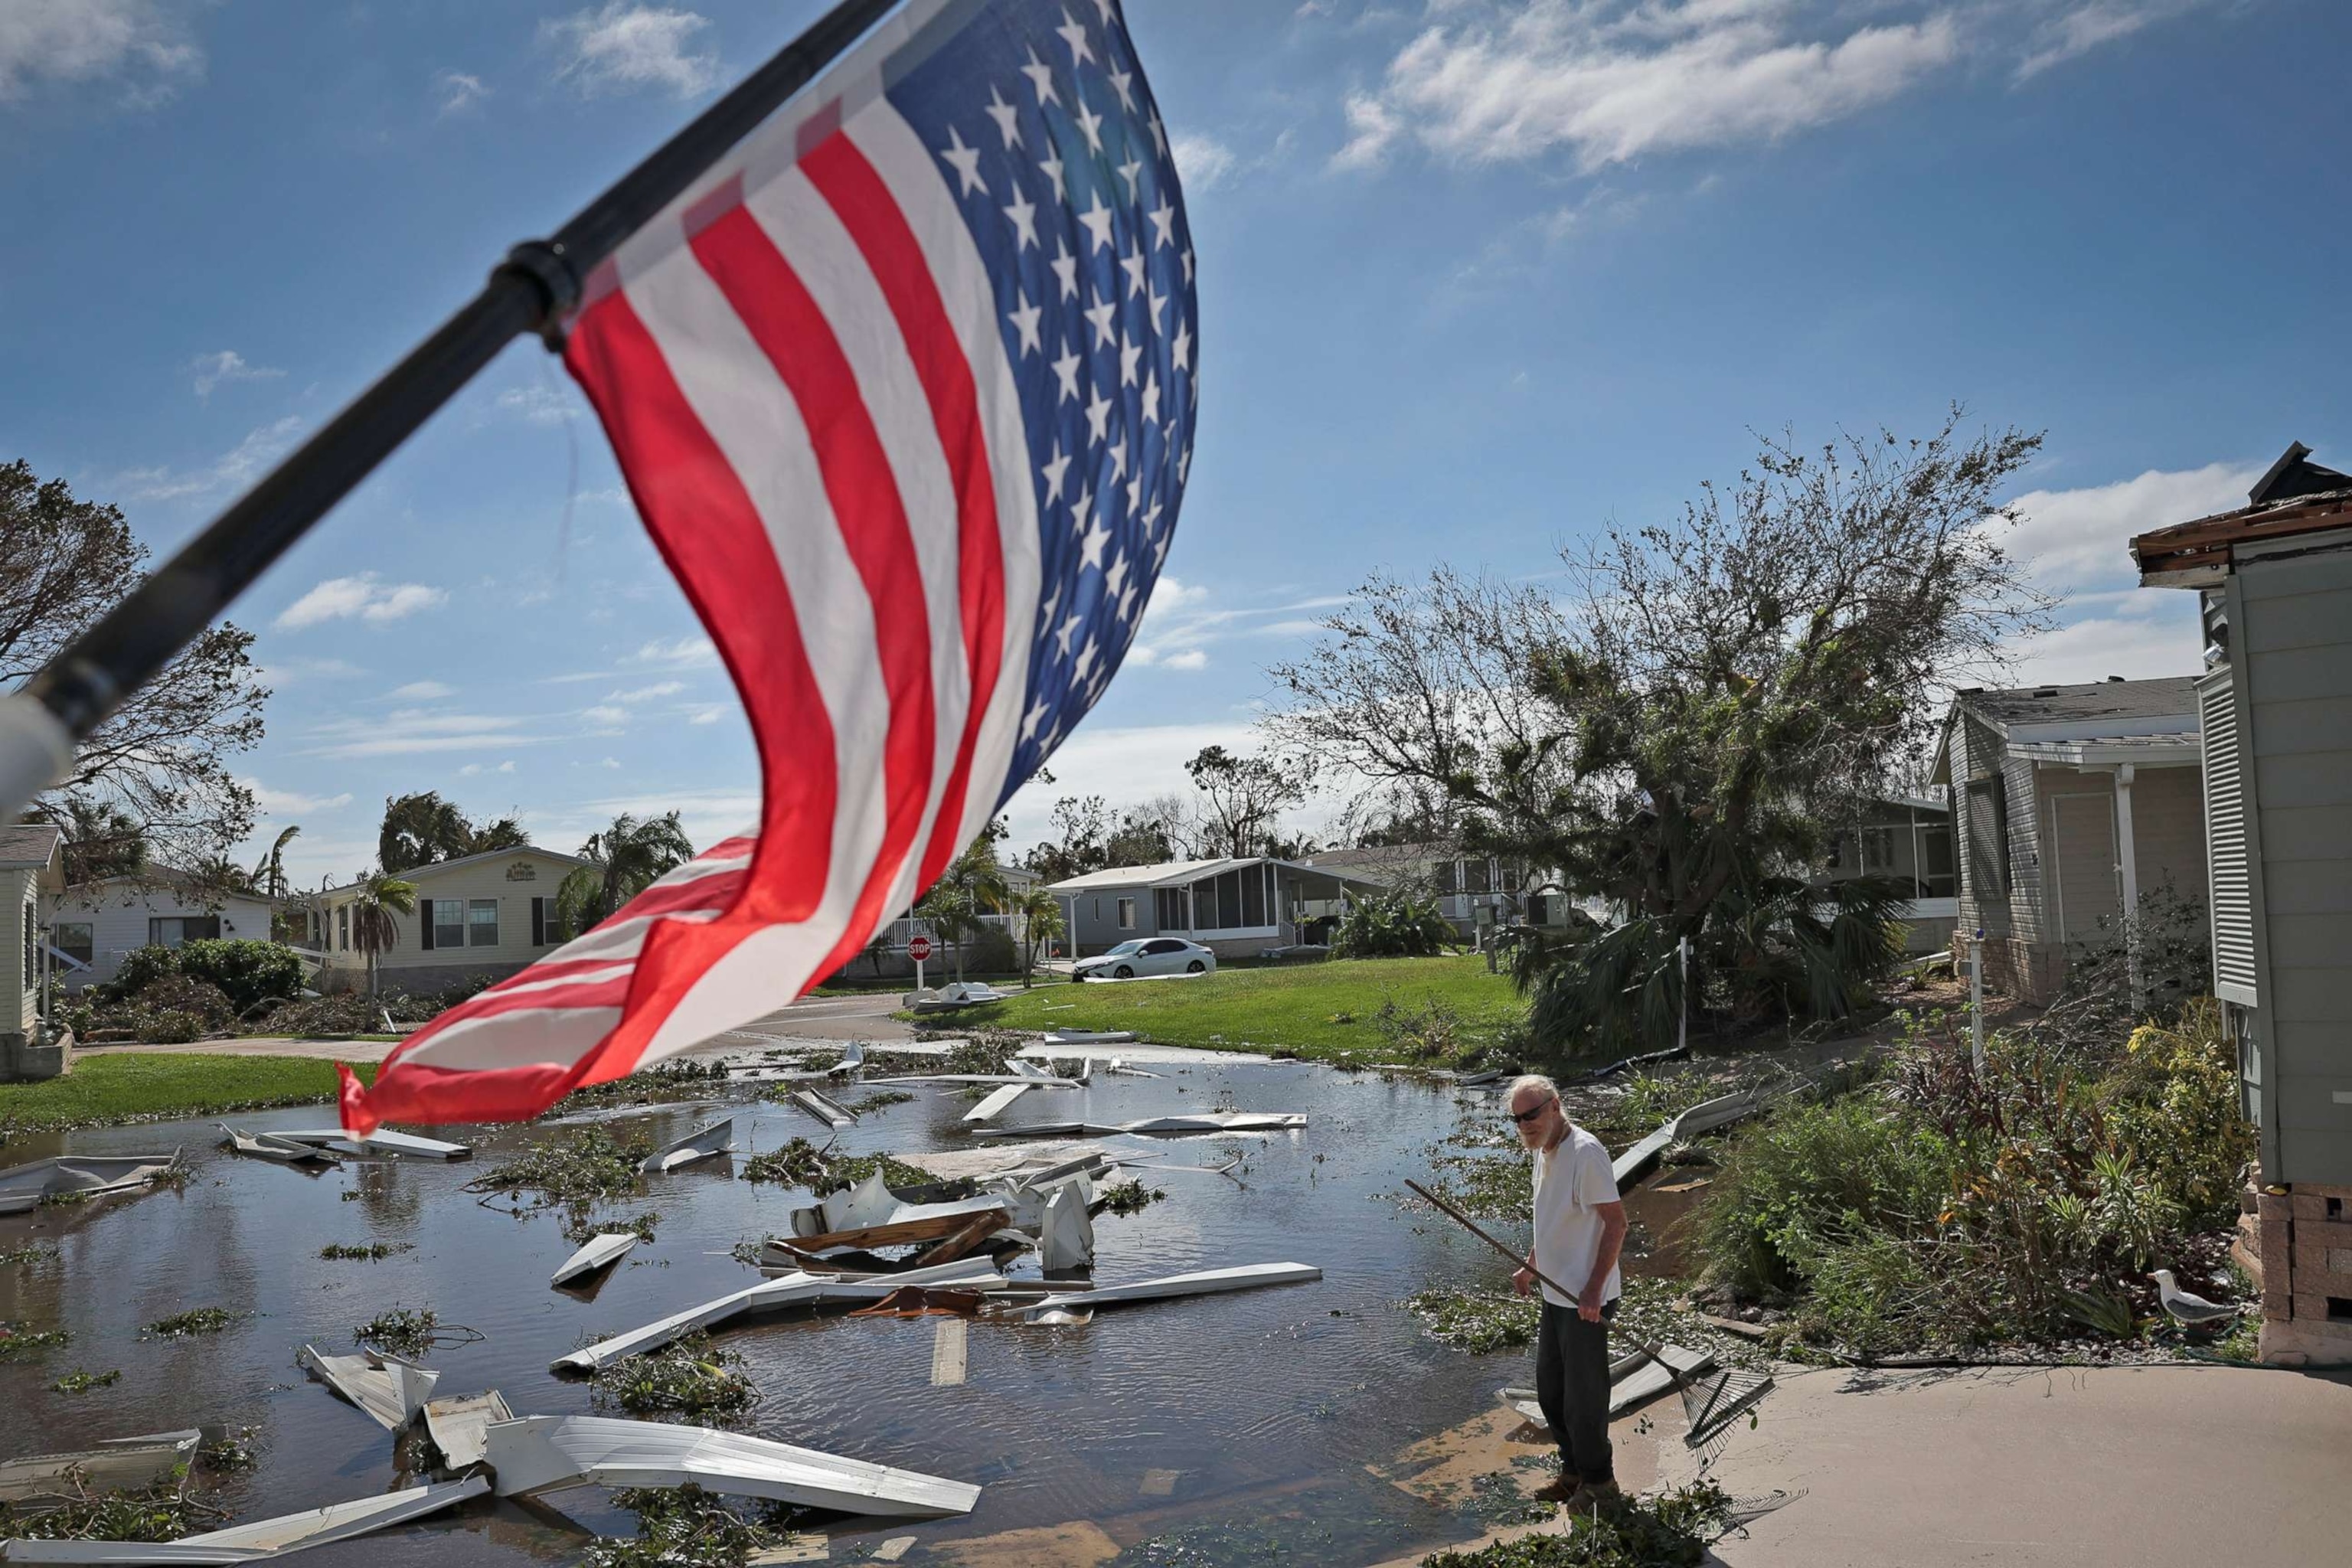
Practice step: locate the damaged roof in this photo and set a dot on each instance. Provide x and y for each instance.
(2295, 497)
(2164, 697)
(28, 847)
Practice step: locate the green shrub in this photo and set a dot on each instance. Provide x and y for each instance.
(1392, 925)
(142, 967)
(247, 972)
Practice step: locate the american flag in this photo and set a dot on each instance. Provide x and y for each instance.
(904, 389)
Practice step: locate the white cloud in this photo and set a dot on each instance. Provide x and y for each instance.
(286, 671)
(216, 369)
(94, 40)
(604, 715)
(1611, 80)
(2139, 634)
(623, 47)
(423, 691)
(539, 404)
(344, 598)
(412, 729)
(1201, 161)
(677, 653)
(2079, 537)
(288, 801)
(707, 715)
(234, 470)
(471, 769)
(659, 689)
(456, 91)
(2081, 27)
(1126, 766)
(1191, 658)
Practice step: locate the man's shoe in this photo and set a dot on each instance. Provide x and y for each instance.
(1591, 1497)
(1560, 1489)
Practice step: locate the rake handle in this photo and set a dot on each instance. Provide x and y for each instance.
(1474, 1228)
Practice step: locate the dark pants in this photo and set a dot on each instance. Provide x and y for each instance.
(1572, 1386)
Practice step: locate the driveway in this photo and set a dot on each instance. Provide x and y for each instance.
(2158, 1466)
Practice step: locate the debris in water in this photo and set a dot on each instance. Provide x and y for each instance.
(269, 1146)
(1204, 1282)
(689, 1376)
(585, 1164)
(72, 1178)
(600, 1253)
(548, 1453)
(1129, 1196)
(16, 1340)
(460, 1425)
(80, 1381)
(263, 1539)
(401, 1332)
(42, 1482)
(686, 1527)
(391, 1390)
(364, 1252)
(194, 1320)
(705, 1142)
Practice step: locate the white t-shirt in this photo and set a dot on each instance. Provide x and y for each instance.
(1571, 1180)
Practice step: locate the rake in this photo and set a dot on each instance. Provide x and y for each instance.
(1712, 1401)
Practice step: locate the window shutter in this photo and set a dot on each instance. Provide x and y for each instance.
(425, 909)
(2227, 876)
(538, 922)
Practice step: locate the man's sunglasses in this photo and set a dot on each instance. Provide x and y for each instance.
(1524, 1117)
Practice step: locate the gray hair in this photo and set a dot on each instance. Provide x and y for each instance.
(1533, 1080)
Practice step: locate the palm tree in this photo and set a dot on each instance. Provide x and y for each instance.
(269, 871)
(624, 861)
(1040, 916)
(972, 886)
(373, 931)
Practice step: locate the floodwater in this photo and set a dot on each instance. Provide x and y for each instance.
(1241, 1423)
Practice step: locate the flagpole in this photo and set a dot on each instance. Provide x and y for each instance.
(531, 290)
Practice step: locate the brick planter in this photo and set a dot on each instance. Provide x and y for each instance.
(2301, 1249)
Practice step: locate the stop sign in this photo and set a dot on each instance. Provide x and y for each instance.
(919, 948)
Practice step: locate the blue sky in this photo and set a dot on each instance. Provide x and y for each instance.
(1474, 280)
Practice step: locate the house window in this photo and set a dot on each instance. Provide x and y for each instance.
(1252, 890)
(1935, 852)
(1479, 875)
(344, 927)
(77, 939)
(448, 918)
(1988, 838)
(1168, 903)
(1506, 877)
(1127, 914)
(30, 975)
(1449, 881)
(171, 930)
(481, 922)
(1877, 850)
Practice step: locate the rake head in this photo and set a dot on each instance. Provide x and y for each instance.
(1713, 1403)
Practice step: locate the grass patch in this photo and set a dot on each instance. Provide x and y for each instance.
(1326, 1012)
(364, 1252)
(402, 1332)
(80, 1381)
(18, 1341)
(685, 1377)
(1671, 1530)
(194, 1320)
(108, 1091)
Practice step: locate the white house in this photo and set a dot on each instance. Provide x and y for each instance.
(1236, 907)
(28, 868)
(93, 924)
(478, 917)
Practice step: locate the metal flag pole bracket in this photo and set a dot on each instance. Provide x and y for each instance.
(533, 289)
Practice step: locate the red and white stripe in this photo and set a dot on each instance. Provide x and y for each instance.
(802, 374)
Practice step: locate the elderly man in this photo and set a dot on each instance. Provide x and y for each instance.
(1579, 1226)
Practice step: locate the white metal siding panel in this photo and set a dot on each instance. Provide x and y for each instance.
(2294, 621)
(2029, 910)
(2229, 890)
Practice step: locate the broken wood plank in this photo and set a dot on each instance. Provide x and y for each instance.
(909, 1224)
(947, 1353)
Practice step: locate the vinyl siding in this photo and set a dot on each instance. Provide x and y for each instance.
(486, 878)
(2078, 876)
(2294, 638)
(20, 1001)
(120, 911)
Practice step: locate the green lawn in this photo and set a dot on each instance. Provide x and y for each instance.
(1324, 1011)
(103, 1090)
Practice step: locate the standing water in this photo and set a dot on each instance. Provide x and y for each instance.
(1240, 1425)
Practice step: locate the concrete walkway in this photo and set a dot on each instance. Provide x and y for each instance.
(2161, 1467)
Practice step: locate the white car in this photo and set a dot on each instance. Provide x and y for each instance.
(1150, 955)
